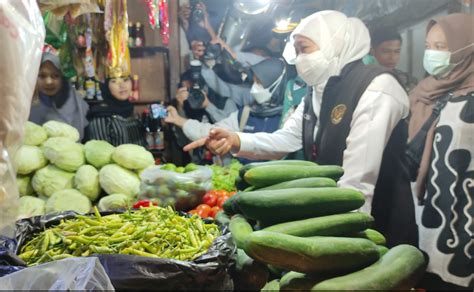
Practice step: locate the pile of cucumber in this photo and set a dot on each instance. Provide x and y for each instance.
(306, 226)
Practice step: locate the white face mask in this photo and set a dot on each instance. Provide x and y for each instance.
(313, 68)
(436, 63)
(260, 94)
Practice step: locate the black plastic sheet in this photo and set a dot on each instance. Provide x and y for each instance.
(208, 272)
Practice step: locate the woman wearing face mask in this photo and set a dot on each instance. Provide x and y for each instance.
(353, 117)
(57, 99)
(445, 178)
(112, 120)
(269, 78)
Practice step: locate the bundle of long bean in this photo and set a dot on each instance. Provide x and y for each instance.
(153, 232)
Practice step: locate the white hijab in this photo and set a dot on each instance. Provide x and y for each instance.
(341, 39)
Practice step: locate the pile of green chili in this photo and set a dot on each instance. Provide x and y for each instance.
(152, 232)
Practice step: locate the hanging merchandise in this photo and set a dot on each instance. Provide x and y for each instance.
(73, 8)
(116, 27)
(153, 13)
(158, 17)
(164, 22)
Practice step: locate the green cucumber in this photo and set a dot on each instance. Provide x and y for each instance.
(273, 285)
(311, 255)
(277, 206)
(276, 272)
(229, 205)
(248, 274)
(264, 176)
(382, 250)
(294, 281)
(332, 225)
(310, 182)
(399, 269)
(240, 230)
(249, 189)
(251, 165)
(372, 235)
(222, 218)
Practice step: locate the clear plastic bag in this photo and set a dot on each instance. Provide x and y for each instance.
(68, 274)
(183, 190)
(21, 41)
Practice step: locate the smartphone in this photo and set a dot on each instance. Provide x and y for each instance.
(158, 111)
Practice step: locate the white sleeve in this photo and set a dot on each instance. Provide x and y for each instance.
(274, 145)
(195, 130)
(379, 110)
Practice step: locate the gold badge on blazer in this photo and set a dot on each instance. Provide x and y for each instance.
(337, 113)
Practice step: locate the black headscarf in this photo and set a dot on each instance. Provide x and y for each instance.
(111, 105)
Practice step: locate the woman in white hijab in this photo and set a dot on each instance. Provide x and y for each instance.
(353, 117)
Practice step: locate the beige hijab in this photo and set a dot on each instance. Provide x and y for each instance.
(459, 30)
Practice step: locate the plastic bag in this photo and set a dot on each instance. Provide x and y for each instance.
(183, 190)
(21, 42)
(208, 272)
(68, 274)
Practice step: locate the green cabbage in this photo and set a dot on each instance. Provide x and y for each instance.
(24, 185)
(34, 134)
(87, 181)
(68, 200)
(30, 206)
(64, 153)
(59, 129)
(51, 179)
(29, 159)
(133, 157)
(115, 179)
(98, 153)
(114, 201)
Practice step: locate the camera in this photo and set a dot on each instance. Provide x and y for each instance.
(196, 96)
(197, 14)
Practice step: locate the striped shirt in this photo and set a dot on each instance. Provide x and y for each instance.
(116, 130)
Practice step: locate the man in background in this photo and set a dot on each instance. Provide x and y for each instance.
(386, 44)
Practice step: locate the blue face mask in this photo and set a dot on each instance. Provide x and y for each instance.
(437, 63)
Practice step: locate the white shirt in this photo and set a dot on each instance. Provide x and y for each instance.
(380, 108)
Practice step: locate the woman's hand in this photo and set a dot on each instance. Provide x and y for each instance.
(174, 118)
(219, 141)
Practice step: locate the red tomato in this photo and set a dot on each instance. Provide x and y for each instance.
(209, 199)
(214, 211)
(203, 207)
(221, 193)
(232, 193)
(203, 213)
(222, 200)
(212, 192)
(193, 212)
